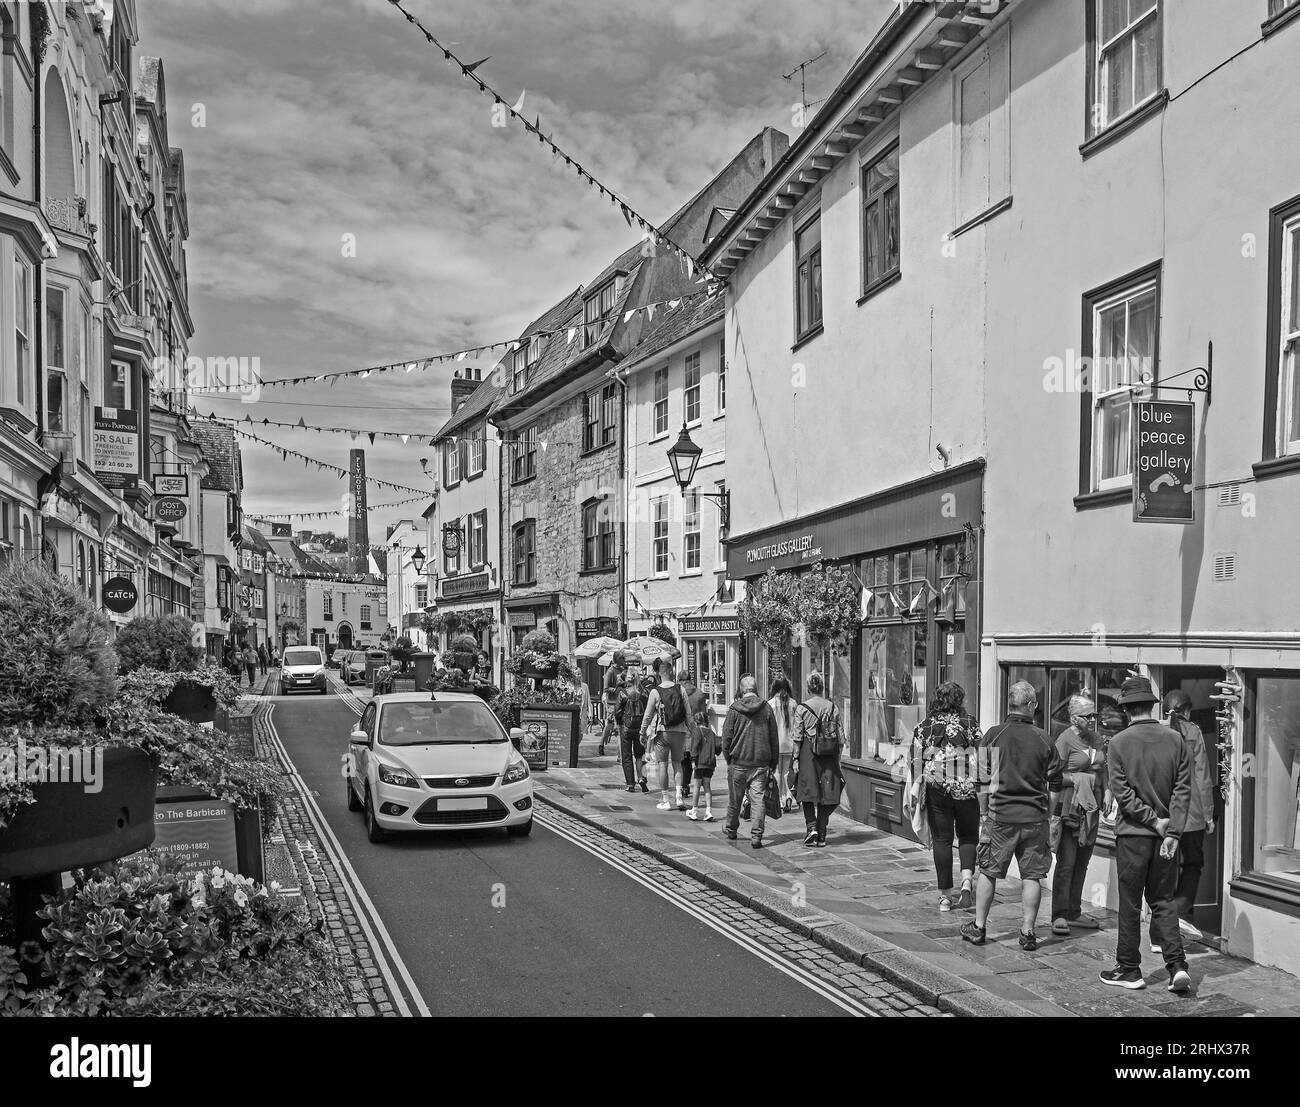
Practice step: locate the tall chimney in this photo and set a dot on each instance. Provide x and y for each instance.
(461, 389)
(358, 516)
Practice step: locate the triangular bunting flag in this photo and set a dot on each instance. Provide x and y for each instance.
(572, 332)
(372, 438)
(469, 69)
(650, 311)
(628, 315)
(867, 596)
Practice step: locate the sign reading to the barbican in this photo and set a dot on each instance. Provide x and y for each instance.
(120, 594)
(170, 509)
(116, 447)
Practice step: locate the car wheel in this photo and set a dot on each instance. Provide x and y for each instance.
(522, 830)
(374, 832)
(354, 804)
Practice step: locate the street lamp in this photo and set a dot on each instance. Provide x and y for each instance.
(684, 457)
(417, 560)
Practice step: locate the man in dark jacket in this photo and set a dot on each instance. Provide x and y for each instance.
(1200, 809)
(1150, 771)
(751, 748)
(625, 715)
(1019, 767)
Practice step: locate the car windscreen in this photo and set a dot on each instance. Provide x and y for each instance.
(302, 657)
(438, 722)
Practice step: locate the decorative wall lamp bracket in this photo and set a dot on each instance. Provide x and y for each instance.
(1202, 380)
(684, 457)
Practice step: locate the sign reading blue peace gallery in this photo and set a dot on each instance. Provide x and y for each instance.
(1164, 459)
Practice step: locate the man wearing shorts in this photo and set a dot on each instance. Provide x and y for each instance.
(1019, 766)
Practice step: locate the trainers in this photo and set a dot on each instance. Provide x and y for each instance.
(681, 806)
(1123, 978)
(1190, 930)
(1156, 948)
(631, 787)
(730, 837)
(757, 843)
(966, 900)
(663, 805)
(972, 933)
(708, 816)
(1180, 980)
(945, 902)
(1061, 926)
(810, 839)
(692, 815)
(821, 843)
(645, 787)
(1028, 942)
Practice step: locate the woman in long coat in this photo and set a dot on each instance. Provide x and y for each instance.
(818, 782)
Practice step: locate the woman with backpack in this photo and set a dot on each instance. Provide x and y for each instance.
(818, 736)
(626, 714)
(665, 715)
(781, 701)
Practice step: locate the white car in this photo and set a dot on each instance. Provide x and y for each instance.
(302, 669)
(436, 761)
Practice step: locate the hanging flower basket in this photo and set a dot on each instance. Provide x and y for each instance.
(829, 606)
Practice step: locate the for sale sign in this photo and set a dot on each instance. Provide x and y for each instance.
(1164, 458)
(116, 446)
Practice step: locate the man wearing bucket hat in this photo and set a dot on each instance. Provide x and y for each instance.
(1150, 773)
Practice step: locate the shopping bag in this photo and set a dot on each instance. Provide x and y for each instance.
(772, 801)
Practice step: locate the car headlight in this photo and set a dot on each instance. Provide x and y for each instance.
(319, 672)
(392, 774)
(515, 772)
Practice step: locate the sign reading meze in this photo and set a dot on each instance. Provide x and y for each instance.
(1164, 457)
(117, 446)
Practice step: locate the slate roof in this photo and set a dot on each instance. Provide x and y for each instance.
(225, 468)
(255, 539)
(672, 326)
(380, 558)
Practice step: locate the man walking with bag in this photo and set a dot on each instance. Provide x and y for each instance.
(818, 784)
(1150, 771)
(751, 749)
(1200, 810)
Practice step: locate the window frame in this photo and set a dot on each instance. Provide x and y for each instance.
(1094, 301)
(869, 199)
(526, 531)
(524, 450)
(26, 383)
(722, 377)
(450, 454)
(659, 541)
(689, 363)
(475, 452)
(598, 545)
(805, 330)
(364, 616)
(476, 533)
(692, 528)
(659, 405)
(1096, 89)
(1279, 393)
(602, 300)
(599, 418)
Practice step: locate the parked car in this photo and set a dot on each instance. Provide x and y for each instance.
(303, 670)
(352, 665)
(436, 762)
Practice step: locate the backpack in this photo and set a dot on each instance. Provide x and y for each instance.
(824, 744)
(674, 705)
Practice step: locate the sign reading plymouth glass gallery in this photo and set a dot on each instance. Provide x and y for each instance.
(1164, 457)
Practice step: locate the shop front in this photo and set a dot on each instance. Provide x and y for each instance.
(467, 604)
(584, 630)
(525, 614)
(915, 552)
(711, 651)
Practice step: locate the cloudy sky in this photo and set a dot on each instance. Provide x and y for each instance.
(326, 118)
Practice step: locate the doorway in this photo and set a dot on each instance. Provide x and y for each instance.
(345, 636)
(1198, 683)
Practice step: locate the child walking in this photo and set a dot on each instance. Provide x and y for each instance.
(704, 747)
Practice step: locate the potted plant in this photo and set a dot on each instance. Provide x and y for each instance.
(830, 608)
(537, 657)
(403, 650)
(462, 653)
(661, 631)
(165, 643)
(769, 612)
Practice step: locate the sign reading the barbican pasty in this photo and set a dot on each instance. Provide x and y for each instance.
(720, 624)
(116, 447)
(1164, 457)
(120, 594)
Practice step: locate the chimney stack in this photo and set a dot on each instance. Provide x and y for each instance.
(461, 389)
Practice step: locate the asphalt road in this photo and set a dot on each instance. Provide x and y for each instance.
(575, 935)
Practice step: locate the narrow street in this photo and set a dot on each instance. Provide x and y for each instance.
(578, 933)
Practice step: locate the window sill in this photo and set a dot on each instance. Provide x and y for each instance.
(983, 217)
(807, 337)
(656, 438)
(598, 449)
(690, 573)
(1266, 891)
(597, 571)
(880, 285)
(1276, 466)
(1103, 499)
(1277, 22)
(475, 476)
(449, 485)
(690, 423)
(721, 415)
(523, 584)
(522, 480)
(1125, 123)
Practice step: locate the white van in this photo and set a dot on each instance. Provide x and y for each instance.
(303, 669)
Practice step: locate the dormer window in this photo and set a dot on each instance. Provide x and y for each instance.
(597, 308)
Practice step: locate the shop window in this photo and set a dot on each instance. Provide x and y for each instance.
(894, 690)
(707, 662)
(1124, 52)
(808, 277)
(1276, 814)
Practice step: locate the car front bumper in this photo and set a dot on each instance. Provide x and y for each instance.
(506, 805)
(304, 684)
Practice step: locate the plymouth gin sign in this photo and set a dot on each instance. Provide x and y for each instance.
(1164, 457)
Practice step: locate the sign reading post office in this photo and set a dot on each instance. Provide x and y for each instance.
(1164, 460)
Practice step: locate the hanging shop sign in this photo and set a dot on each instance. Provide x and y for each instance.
(522, 618)
(169, 509)
(120, 594)
(171, 485)
(1164, 458)
(453, 587)
(116, 447)
(602, 626)
(706, 625)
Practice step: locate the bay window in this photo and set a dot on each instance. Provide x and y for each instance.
(57, 416)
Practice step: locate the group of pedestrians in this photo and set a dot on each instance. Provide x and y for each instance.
(244, 658)
(1012, 792)
(775, 750)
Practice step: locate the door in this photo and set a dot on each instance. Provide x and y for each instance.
(363, 753)
(1198, 683)
(345, 636)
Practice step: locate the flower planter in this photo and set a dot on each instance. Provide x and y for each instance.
(70, 827)
(194, 702)
(548, 671)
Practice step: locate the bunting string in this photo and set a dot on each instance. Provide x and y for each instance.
(428, 361)
(286, 516)
(630, 215)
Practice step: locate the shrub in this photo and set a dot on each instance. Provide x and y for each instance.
(140, 938)
(661, 631)
(538, 641)
(465, 643)
(159, 642)
(57, 664)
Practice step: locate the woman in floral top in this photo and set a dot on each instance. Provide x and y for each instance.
(944, 751)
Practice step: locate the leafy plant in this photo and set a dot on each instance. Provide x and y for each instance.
(238, 626)
(829, 606)
(539, 642)
(26, 749)
(57, 664)
(770, 609)
(661, 631)
(138, 937)
(157, 641)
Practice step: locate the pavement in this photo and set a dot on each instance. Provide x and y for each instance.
(880, 887)
(570, 921)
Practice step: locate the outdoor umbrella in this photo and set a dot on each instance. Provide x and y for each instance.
(651, 648)
(630, 656)
(594, 647)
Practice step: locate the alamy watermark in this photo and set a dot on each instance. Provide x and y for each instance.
(222, 376)
(52, 764)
